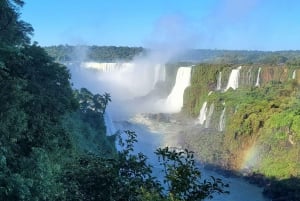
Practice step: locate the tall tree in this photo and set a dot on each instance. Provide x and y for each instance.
(13, 31)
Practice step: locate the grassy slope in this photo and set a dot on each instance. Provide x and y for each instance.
(262, 123)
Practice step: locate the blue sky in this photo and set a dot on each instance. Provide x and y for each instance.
(209, 24)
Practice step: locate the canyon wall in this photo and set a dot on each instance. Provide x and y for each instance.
(247, 117)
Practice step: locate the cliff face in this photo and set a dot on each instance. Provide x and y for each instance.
(255, 127)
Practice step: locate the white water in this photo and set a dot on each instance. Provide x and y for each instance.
(257, 79)
(209, 115)
(205, 115)
(122, 80)
(107, 67)
(222, 120)
(294, 75)
(202, 115)
(174, 101)
(152, 135)
(219, 82)
(249, 75)
(159, 73)
(110, 127)
(233, 81)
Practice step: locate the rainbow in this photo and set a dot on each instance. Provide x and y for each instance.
(251, 157)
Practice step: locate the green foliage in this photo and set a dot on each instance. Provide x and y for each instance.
(204, 79)
(13, 31)
(183, 177)
(66, 53)
(128, 176)
(118, 178)
(265, 119)
(242, 57)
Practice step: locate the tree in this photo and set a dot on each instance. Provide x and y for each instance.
(183, 177)
(12, 30)
(128, 176)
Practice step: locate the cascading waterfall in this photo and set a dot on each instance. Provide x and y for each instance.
(222, 120)
(294, 75)
(249, 75)
(126, 80)
(233, 81)
(159, 74)
(219, 82)
(202, 115)
(209, 115)
(148, 141)
(174, 101)
(258, 78)
(106, 67)
(110, 128)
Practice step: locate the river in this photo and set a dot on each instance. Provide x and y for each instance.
(152, 135)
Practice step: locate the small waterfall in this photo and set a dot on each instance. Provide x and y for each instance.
(110, 128)
(202, 115)
(174, 101)
(233, 81)
(294, 75)
(249, 75)
(219, 82)
(159, 73)
(257, 79)
(209, 115)
(222, 121)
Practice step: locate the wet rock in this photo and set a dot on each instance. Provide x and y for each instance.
(160, 117)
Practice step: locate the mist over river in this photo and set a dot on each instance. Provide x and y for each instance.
(152, 134)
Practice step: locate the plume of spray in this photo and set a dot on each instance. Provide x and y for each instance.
(171, 36)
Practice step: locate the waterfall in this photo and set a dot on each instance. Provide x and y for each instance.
(159, 74)
(222, 121)
(106, 67)
(110, 128)
(202, 115)
(249, 75)
(219, 82)
(154, 74)
(257, 79)
(124, 80)
(174, 101)
(233, 81)
(209, 115)
(294, 75)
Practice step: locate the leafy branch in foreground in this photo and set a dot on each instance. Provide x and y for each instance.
(181, 174)
(183, 177)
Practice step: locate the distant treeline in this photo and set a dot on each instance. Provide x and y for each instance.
(242, 57)
(65, 53)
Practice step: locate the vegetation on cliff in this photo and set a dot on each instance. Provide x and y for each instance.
(262, 132)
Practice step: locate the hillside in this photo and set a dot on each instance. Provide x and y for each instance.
(254, 128)
(67, 53)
